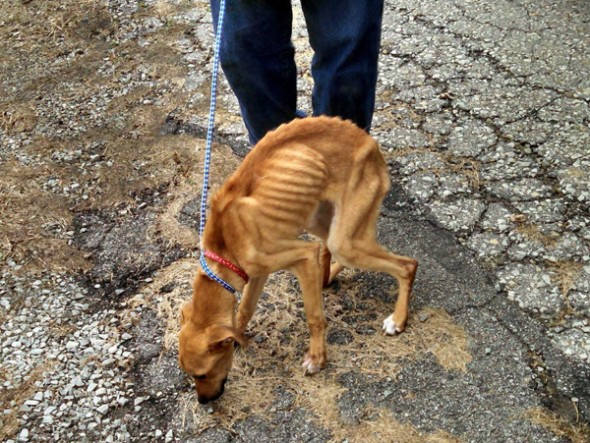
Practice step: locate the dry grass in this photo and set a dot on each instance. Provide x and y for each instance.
(48, 30)
(27, 213)
(467, 167)
(62, 331)
(274, 359)
(558, 426)
(142, 158)
(169, 304)
(17, 119)
(531, 231)
(49, 19)
(14, 398)
(385, 428)
(188, 187)
(576, 172)
(565, 274)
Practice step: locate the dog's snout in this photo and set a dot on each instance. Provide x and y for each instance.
(203, 399)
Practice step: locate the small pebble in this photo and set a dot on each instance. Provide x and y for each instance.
(23, 435)
(423, 316)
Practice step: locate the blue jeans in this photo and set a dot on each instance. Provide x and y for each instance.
(257, 57)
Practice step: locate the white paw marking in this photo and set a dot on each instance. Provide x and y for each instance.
(389, 326)
(309, 368)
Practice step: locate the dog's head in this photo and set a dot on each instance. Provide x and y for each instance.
(206, 354)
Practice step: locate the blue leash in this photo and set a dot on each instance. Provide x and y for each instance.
(212, 106)
(209, 142)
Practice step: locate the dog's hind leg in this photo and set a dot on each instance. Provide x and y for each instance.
(365, 253)
(249, 301)
(352, 241)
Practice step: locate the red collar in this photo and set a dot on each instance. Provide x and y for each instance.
(216, 258)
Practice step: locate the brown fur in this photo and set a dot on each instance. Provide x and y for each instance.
(319, 174)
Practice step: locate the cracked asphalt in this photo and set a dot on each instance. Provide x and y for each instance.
(483, 114)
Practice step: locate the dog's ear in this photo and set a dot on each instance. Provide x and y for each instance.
(220, 345)
(227, 337)
(185, 312)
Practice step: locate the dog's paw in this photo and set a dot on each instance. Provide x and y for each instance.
(310, 368)
(390, 327)
(313, 365)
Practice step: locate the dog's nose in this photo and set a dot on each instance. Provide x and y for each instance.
(204, 400)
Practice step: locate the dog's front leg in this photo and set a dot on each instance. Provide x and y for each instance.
(249, 301)
(303, 259)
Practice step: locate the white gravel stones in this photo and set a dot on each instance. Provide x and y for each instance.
(532, 288)
(459, 215)
(525, 189)
(580, 301)
(406, 138)
(470, 138)
(575, 342)
(23, 435)
(565, 109)
(568, 247)
(574, 182)
(421, 186)
(488, 245)
(194, 81)
(505, 163)
(567, 148)
(498, 98)
(543, 211)
(420, 161)
(528, 130)
(497, 218)
(74, 375)
(452, 184)
(439, 124)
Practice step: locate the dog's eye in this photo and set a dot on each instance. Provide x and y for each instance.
(199, 377)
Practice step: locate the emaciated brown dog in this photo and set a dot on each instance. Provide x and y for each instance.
(319, 174)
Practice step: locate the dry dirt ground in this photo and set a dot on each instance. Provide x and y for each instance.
(102, 116)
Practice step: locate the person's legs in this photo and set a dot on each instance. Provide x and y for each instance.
(345, 36)
(257, 57)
